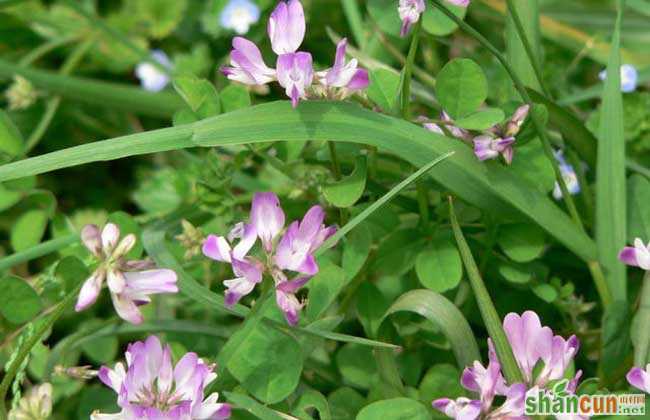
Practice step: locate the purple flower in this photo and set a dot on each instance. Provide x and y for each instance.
(342, 74)
(248, 67)
(486, 382)
(532, 343)
(488, 147)
(151, 388)
(130, 282)
(295, 74)
(409, 12)
(461, 408)
(636, 256)
(516, 121)
(291, 251)
(247, 270)
(640, 378)
(286, 27)
(461, 3)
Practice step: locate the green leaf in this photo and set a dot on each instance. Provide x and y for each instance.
(398, 251)
(268, 364)
(437, 23)
(384, 14)
(611, 200)
(514, 273)
(19, 303)
(102, 349)
(528, 13)
(345, 403)
(439, 266)
(199, 94)
(395, 409)
(347, 191)
(241, 401)
(461, 87)
(521, 242)
(356, 249)
(29, 229)
(234, 97)
(532, 165)
(324, 287)
(383, 89)
(481, 120)
(312, 400)
(443, 313)
(11, 141)
(500, 192)
(638, 211)
(71, 271)
(8, 198)
(357, 365)
(441, 381)
(159, 17)
(546, 292)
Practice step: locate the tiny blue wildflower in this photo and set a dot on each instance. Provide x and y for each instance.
(629, 77)
(239, 15)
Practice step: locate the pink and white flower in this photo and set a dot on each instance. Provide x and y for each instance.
(129, 282)
(488, 147)
(637, 255)
(294, 69)
(640, 378)
(285, 251)
(342, 74)
(409, 12)
(151, 388)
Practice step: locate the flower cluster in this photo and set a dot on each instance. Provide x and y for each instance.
(496, 141)
(410, 11)
(150, 387)
(289, 250)
(294, 69)
(541, 356)
(130, 282)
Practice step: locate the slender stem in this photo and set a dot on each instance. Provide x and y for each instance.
(355, 20)
(408, 70)
(527, 46)
(37, 251)
(53, 103)
(423, 202)
(27, 347)
(636, 167)
(600, 282)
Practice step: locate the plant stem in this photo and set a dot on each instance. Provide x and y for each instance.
(527, 46)
(38, 251)
(355, 20)
(489, 313)
(408, 70)
(44, 49)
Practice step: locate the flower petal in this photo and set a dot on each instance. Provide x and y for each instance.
(217, 248)
(126, 308)
(91, 238)
(267, 217)
(286, 27)
(90, 290)
(110, 236)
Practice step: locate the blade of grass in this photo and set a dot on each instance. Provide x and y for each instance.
(522, 41)
(642, 342)
(111, 95)
(489, 313)
(355, 21)
(497, 191)
(439, 310)
(611, 213)
(37, 251)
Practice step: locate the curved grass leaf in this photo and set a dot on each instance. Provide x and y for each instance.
(439, 310)
(253, 407)
(611, 211)
(490, 187)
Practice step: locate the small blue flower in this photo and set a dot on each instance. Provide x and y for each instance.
(569, 176)
(151, 77)
(629, 77)
(239, 15)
